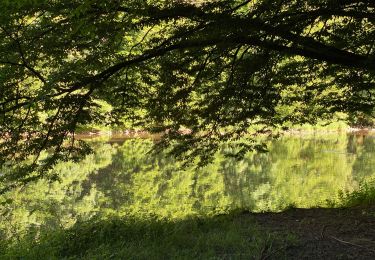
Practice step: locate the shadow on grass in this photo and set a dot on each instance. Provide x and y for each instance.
(233, 236)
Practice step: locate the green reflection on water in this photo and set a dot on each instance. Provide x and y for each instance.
(122, 179)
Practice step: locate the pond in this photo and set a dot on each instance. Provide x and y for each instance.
(122, 179)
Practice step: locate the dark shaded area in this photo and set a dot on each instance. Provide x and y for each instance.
(325, 233)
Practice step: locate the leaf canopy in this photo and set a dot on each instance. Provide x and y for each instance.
(216, 68)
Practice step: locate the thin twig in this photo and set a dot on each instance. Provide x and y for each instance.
(352, 244)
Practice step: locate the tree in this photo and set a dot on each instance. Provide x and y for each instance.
(214, 67)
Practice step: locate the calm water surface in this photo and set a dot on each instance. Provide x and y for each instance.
(121, 179)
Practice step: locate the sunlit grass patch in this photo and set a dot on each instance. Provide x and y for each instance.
(363, 196)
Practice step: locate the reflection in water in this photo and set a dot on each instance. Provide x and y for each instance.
(122, 179)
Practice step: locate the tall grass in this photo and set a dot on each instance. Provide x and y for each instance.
(221, 237)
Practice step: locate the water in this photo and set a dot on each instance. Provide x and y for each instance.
(121, 179)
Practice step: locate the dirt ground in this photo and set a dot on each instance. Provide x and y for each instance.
(325, 233)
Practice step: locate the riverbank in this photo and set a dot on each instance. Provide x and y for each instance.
(87, 134)
(319, 233)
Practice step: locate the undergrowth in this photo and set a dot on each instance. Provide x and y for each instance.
(232, 236)
(363, 196)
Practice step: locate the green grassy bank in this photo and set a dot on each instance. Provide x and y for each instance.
(231, 236)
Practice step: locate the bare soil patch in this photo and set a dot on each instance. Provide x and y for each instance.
(325, 233)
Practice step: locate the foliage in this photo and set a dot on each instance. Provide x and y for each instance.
(363, 196)
(360, 120)
(213, 67)
(50, 205)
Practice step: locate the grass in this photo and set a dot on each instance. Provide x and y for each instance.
(364, 196)
(233, 236)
